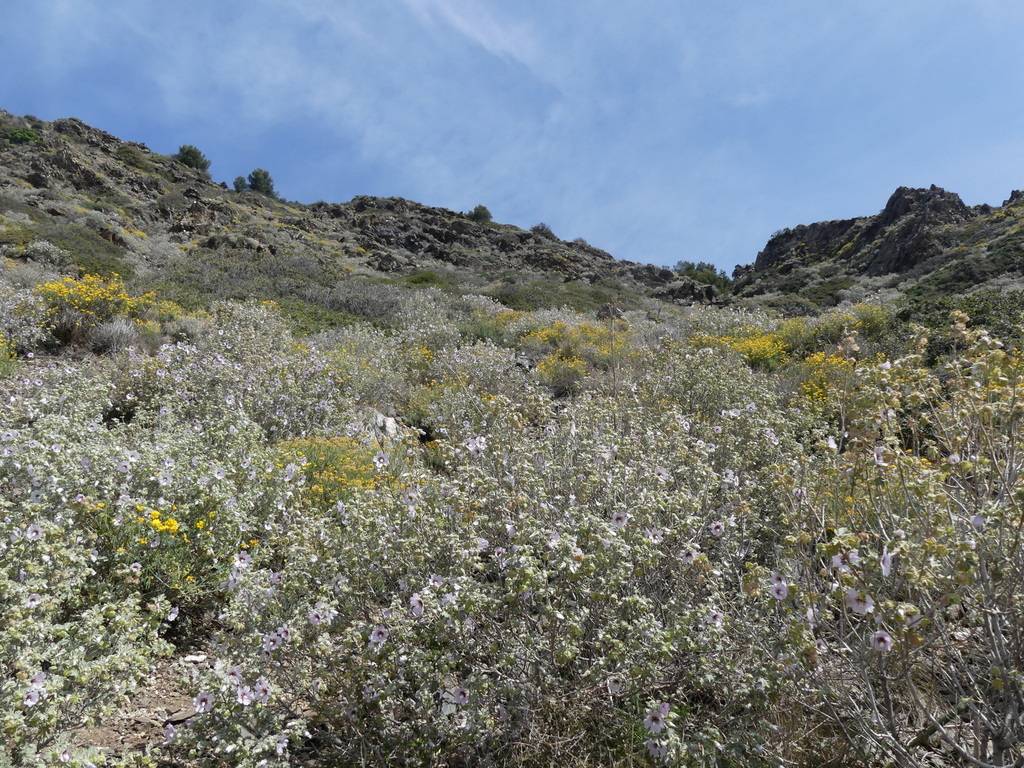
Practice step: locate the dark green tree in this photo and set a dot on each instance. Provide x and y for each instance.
(480, 214)
(241, 185)
(260, 181)
(193, 157)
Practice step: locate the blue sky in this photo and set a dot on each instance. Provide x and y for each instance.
(657, 129)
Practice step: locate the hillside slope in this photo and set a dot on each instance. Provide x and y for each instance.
(924, 242)
(73, 195)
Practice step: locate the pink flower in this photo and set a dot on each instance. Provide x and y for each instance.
(780, 590)
(717, 529)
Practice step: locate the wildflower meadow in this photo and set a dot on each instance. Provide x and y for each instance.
(472, 535)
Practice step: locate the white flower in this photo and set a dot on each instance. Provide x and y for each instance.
(689, 554)
(476, 445)
(458, 695)
(380, 461)
(780, 590)
(261, 690)
(619, 519)
(655, 721)
(657, 751)
(880, 456)
(859, 602)
(34, 532)
(378, 636)
(32, 697)
(717, 529)
(203, 702)
(416, 605)
(169, 733)
(173, 613)
(245, 696)
(243, 560)
(33, 600)
(881, 641)
(886, 562)
(842, 562)
(978, 522)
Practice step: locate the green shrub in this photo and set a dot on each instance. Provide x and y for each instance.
(240, 184)
(480, 214)
(23, 136)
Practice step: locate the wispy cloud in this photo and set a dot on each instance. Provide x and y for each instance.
(659, 130)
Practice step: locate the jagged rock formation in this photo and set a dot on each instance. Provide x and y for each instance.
(923, 240)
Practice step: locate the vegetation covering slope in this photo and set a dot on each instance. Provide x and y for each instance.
(422, 526)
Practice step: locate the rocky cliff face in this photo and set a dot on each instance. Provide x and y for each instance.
(922, 239)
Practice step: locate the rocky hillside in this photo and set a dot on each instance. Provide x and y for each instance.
(73, 197)
(924, 242)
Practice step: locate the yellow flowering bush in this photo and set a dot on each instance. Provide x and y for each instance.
(824, 374)
(763, 350)
(7, 356)
(335, 467)
(562, 373)
(77, 305)
(599, 345)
